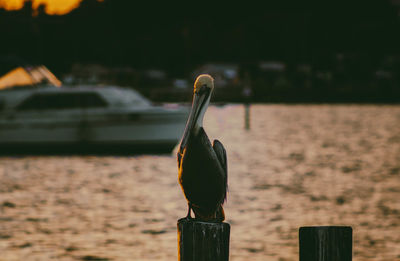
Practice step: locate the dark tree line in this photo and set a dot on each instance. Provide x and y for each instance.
(347, 46)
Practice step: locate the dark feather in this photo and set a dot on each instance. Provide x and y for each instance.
(221, 154)
(202, 175)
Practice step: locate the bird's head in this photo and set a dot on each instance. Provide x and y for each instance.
(203, 87)
(203, 82)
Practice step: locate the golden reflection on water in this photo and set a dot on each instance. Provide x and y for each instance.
(297, 166)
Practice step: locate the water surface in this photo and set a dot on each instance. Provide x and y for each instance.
(298, 165)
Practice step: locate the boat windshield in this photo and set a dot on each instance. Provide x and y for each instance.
(129, 97)
(60, 101)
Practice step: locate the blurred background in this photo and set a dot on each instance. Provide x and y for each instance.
(299, 52)
(306, 104)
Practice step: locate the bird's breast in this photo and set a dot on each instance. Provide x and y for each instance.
(200, 173)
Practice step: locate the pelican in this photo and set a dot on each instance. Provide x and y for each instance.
(202, 167)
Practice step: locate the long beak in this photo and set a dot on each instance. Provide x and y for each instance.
(199, 100)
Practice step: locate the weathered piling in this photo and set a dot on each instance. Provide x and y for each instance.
(247, 93)
(247, 116)
(329, 243)
(203, 241)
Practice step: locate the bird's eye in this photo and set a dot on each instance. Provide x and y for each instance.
(203, 88)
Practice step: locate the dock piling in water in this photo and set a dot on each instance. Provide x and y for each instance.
(247, 116)
(203, 241)
(326, 243)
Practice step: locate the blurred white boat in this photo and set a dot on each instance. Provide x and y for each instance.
(87, 117)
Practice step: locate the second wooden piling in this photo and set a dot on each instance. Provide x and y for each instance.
(329, 243)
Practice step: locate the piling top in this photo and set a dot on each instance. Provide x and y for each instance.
(325, 227)
(187, 220)
(195, 221)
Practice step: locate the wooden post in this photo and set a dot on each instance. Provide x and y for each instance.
(202, 241)
(247, 116)
(247, 93)
(330, 243)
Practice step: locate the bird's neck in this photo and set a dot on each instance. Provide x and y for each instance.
(199, 122)
(192, 129)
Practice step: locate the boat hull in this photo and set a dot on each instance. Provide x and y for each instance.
(93, 132)
(16, 149)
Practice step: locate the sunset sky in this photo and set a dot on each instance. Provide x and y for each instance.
(53, 6)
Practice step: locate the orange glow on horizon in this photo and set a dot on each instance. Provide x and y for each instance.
(52, 6)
